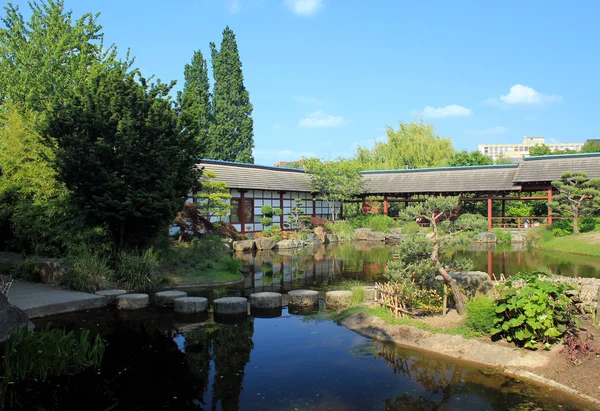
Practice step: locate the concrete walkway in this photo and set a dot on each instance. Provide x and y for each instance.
(41, 300)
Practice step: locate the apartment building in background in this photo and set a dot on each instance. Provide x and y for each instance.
(516, 152)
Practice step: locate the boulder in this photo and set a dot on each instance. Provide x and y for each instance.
(265, 243)
(283, 244)
(244, 245)
(518, 238)
(472, 282)
(332, 238)
(313, 239)
(51, 270)
(395, 239)
(486, 238)
(12, 318)
(376, 236)
(362, 234)
(321, 234)
(396, 230)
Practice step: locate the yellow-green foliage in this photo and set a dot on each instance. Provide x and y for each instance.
(343, 229)
(481, 314)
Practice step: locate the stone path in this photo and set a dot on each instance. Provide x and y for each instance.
(41, 300)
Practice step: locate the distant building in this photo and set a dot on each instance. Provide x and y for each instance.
(517, 151)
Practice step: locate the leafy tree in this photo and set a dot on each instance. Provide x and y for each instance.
(120, 154)
(214, 197)
(413, 145)
(231, 133)
(474, 158)
(334, 181)
(425, 251)
(591, 146)
(41, 59)
(577, 196)
(503, 160)
(540, 150)
(296, 217)
(194, 102)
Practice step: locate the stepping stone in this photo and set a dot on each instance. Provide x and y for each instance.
(338, 298)
(167, 298)
(231, 305)
(265, 300)
(303, 298)
(191, 305)
(111, 295)
(132, 301)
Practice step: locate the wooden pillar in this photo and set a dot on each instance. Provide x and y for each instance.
(549, 209)
(314, 211)
(242, 211)
(503, 213)
(281, 206)
(489, 213)
(385, 205)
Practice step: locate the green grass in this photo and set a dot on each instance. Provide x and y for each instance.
(343, 229)
(583, 244)
(388, 317)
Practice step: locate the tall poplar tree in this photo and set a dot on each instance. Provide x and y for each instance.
(231, 132)
(194, 102)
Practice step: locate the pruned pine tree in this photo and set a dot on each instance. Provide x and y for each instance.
(577, 196)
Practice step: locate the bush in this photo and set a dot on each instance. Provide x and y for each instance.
(587, 224)
(531, 312)
(502, 236)
(266, 221)
(266, 210)
(232, 265)
(411, 228)
(318, 222)
(48, 353)
(343, 229)
(138, 271)
(562, 228)
(376, 222)
(26, 270)
(86, 271)
(481, 314)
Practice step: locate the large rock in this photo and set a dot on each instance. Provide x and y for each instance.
(244, 245)
(332, 238)
(11, 318)
(518, 238)
(486, 238)
(376, 236)
(284, 244)
(265, 243)
(313, 239)
(321, 234)
(362, 234)
(473, 283)
(396, 230)
(51, 270)
(395, 239)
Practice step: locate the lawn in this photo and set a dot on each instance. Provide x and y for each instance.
(584, 244)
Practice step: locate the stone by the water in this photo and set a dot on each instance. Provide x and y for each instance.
(167, 298)
(303, 298)
(265, 300)
(231, 305)
(132, 301)
(111, 295)
(12, 318)
(190, 305)
(338, 298)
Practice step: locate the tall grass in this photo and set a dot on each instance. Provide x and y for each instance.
(87, 271)
(502, 235)
(48, 353)
(376, 222)
(138, 271)
(343, 229)
(358, 291)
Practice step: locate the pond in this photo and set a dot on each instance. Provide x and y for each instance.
(320, 268)
(158, 360)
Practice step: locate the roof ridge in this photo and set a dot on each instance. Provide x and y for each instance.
(238, 164)
(448, 168)
(551, 156)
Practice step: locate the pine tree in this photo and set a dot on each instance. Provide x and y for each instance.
(231, 133)
(194, 102)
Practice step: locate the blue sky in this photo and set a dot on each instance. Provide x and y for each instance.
(326, 75)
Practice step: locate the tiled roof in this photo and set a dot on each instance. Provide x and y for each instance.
(550, 168)
(250, 176)
(442, 180)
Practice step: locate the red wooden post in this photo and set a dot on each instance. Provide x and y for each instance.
(519, 223)
(489, 213)
(385, 205)
(549, 209)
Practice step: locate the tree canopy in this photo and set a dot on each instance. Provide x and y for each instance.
(577, 196)
(591, 146)
(473, 158)
(214, 197)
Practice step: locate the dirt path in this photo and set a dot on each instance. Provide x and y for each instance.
(546, 367)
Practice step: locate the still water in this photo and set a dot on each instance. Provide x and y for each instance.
(157, 360)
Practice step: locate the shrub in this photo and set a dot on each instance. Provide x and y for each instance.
(481, 314)
(376, 222)
(26, 270)
(86, 271)
(47, 353)
(232, 265)
(587, 224)
(138, 271)
(502, 236)
(562, 228)
(266, 210)
(532, 312)
(343, 229)
(318, 222)
(411, 228)
(266, 221)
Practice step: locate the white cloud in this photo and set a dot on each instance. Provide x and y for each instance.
(318, 119)
(304, 7)
(311, 101)
(452, 110)
(520, 94)
(494, 131)
(234, 6)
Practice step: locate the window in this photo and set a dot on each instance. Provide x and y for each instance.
(247, 210)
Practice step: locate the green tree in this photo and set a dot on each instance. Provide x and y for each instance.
(194, 103)
(474, 158)
(425, 251)
(41, 59)
(214, 197)
(591, 146)
(334, 181)
(540, 150)
(413, 145)
(577, 196)
(120, 154)
(232, 131)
